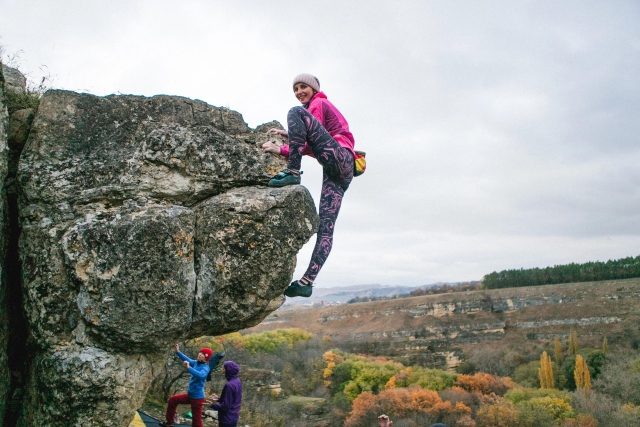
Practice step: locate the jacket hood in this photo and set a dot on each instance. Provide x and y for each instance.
(231, 369)
(317, 95)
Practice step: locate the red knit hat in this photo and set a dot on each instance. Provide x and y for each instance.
(207, 353)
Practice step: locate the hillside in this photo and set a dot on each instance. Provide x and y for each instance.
(342, 294)
(434, 330)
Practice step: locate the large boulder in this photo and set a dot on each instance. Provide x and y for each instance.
(14, 80)
(145, 221)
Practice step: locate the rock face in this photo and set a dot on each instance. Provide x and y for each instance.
(145, 221)
(19, 126)
(85, 386)
(4, 321)
(13, 79)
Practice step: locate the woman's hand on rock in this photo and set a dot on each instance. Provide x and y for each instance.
(275, 131)
(270, 147)
(177, 348)
(186, 364)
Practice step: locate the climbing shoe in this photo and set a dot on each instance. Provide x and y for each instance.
(283, 178)
(295, 289)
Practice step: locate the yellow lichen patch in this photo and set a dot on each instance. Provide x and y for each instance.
(184, 242)
(95, 320)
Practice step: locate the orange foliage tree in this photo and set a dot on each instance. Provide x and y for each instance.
(581, 421)
(484, 383)
(400, 403)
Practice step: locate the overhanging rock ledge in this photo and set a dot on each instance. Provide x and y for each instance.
(145, 221)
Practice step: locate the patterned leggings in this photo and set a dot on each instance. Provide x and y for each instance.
(337, 165)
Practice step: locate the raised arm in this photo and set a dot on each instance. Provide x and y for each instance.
(185, 358)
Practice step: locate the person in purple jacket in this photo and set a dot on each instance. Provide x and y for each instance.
(229, 401)
(319, 130)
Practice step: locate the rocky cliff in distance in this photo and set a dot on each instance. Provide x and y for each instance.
(144, 221)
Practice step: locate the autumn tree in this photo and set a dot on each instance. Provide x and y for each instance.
(582, 375)
(331, 359)
(404, 403)
(573, 342)
(546, 371)
(557, 347)
(484, 384)
(501, 414)
(581, 420)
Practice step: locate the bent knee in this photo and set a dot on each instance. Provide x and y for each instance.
(297, 110)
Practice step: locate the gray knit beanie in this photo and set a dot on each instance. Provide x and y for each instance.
(309, 80)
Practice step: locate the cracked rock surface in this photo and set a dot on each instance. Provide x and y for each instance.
(145, 221)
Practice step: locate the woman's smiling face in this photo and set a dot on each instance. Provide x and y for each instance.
(303, 92)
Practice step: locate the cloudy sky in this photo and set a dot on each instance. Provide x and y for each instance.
(499, 134)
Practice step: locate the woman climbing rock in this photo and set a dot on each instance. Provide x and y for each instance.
(316, 129)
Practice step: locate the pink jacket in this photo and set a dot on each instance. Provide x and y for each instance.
(331, 119)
